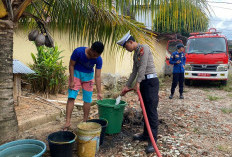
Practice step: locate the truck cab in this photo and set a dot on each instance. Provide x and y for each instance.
(207, 57)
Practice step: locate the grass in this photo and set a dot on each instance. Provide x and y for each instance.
(196, 130)
(213, 98)
(221, 148)
(229, 95)
(226, 110)
(206, 89)
(162, 80)
(224, 148)
(228, 87)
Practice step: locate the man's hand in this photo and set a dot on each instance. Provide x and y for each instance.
(124, 90)
(71, 85)
(136, 87)
(178, 62)
(183, 66)
(99, 96)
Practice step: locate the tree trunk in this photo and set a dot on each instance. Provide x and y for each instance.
(8, 119)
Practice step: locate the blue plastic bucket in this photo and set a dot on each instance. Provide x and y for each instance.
(23, 148)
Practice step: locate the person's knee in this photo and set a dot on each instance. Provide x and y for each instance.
(87, 104)
(70, 101)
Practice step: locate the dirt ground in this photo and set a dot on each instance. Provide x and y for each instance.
(199, 125)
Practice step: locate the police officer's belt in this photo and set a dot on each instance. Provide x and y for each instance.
(149, 76)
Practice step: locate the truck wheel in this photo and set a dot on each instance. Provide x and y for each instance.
(187, 82)
(224, 82)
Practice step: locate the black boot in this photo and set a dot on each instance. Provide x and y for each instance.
(140, 137)
(150, 148)
(181, 96)
(171, 96)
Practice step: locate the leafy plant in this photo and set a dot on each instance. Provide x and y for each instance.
(50, 75)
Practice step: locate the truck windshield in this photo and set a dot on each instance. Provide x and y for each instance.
(206, 45)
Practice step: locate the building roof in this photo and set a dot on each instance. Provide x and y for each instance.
(20, 68)
(230, 45)
(230, 42)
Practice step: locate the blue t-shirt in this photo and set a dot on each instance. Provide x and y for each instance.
(84, 64)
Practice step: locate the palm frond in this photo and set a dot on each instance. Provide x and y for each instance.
(104, 19)
(84, 20)
(181, 16)
(3, 11)
(19, 11)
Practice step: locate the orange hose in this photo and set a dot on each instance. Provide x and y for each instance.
(148, 125)
(146, 121)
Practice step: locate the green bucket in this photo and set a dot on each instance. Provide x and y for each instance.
(112, 113)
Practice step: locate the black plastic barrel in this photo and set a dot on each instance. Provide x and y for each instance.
(104, 124)
(61, 143)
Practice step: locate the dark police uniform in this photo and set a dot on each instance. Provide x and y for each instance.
(144, 68)
(178, 71)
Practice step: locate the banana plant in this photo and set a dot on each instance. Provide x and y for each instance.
(49, 77)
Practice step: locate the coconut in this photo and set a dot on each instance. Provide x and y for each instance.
(33, 34)
(40, 40)
(49, 41)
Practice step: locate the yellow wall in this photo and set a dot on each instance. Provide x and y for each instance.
(120, 64)
(23, 48)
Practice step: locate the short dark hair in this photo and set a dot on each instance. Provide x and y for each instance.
(98, 47)
(178, 46)
(131, 38)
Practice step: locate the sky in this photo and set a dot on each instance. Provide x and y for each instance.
(221, 16)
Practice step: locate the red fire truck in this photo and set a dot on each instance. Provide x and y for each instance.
(207, 57)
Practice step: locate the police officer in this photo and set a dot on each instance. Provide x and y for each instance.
(146, 81)
(178, 60)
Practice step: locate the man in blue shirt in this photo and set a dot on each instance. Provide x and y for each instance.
(178, 60)
(81, 71)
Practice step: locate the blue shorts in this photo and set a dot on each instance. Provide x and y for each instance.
(84, 80)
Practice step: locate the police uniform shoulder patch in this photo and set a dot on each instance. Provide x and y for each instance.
(141, 51)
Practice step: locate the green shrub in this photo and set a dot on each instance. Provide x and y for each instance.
(50, 75)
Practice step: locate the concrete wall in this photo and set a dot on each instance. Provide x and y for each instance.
(120, 63)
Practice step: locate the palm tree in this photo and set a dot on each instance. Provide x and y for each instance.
(97, 19)
(179, 17)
